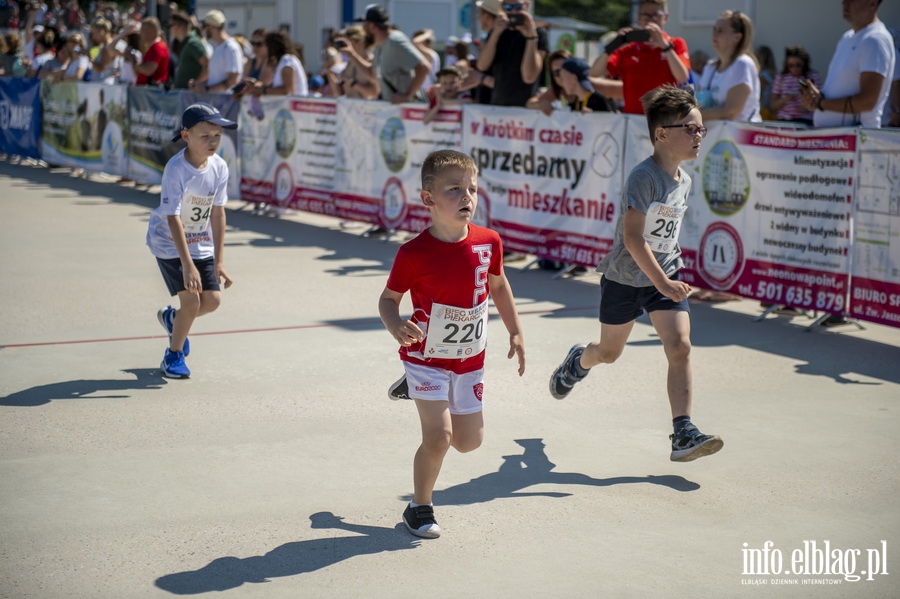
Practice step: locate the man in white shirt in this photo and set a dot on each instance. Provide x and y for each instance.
(226, 64)
(859, 76)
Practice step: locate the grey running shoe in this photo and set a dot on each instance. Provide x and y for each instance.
(691, 444)
(399, 390)
(564, 377)
(420, 521)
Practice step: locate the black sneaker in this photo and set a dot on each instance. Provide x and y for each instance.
(399, 390)
(420, 521)
(691, 444)
(564, 377)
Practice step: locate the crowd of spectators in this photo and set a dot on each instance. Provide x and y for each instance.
(510, 65)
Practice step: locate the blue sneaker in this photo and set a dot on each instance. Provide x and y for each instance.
(166, 317)
(173, 365)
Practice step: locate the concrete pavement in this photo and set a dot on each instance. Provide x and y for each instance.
(280, 469)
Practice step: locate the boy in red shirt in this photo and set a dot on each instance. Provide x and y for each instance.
(449, 270)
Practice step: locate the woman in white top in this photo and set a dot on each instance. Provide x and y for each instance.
(730, 83)
(289, 78)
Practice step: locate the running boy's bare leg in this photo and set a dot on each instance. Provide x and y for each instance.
(437, 433)
(192, 307)
(674, 329)
(610, 346)
(440, 431)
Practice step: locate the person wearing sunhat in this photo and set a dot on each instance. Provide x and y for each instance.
(402, 68)
(226, 64)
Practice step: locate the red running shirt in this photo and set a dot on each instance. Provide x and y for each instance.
(158, 52)
(454, 274)
(642, 67)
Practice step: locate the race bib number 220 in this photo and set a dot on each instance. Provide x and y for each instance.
(456, 333)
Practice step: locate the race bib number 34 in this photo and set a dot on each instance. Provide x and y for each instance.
(663, 225)
(456, 333)
(195, 212)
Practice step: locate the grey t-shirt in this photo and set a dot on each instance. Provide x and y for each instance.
(646, 184)
(396, 59)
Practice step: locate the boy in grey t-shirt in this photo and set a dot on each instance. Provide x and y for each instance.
(641, 271)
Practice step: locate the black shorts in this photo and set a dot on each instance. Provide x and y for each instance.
(174, 277)
(620, 304)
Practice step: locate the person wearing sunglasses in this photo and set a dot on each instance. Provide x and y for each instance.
(640, 272)
(653, 59)
(513, 52)
(786, 100)
(226, 64)
(192, 57)
(729, 88)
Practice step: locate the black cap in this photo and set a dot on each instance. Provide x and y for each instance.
(200, 112)
(375, 14)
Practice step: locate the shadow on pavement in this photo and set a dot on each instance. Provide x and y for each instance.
(291, 559)
(145, 378)
(533, 467)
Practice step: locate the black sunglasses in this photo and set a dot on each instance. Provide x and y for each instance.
(257, 44)
(509, 7)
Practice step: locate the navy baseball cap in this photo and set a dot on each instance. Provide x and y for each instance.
(580, 68)
(202, 112)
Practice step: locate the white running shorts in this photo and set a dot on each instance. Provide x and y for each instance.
(461, 391)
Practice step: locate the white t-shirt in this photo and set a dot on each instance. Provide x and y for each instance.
(742, 70)
(226, 58)
(869, 50)
(301, 86)
(79, 62)
(190, 193)
(126, 73)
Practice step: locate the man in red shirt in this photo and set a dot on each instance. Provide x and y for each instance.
(640, 66)
(154, 68)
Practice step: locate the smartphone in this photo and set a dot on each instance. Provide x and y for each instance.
(638, 35)
(120, 46)
(516, 19)
(803, 82)
(239, 87)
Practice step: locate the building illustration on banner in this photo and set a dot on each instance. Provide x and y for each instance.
(726, 183)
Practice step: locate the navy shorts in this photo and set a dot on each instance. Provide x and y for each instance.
(174, 277)
(620, 304)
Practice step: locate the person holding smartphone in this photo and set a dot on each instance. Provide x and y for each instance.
(513, 52)
(642, 58)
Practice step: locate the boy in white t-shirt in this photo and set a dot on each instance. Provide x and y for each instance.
(187, 230)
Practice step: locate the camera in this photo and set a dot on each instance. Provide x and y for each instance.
(339, 44)
(638, 35)
(239, 87)
(803, 82)
(516, 19)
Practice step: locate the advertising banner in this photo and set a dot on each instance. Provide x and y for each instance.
(770, 215)
(550, 186)
(266, 145)
(153, 118)
(83, 125)
(875, 278)
(20, 116)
